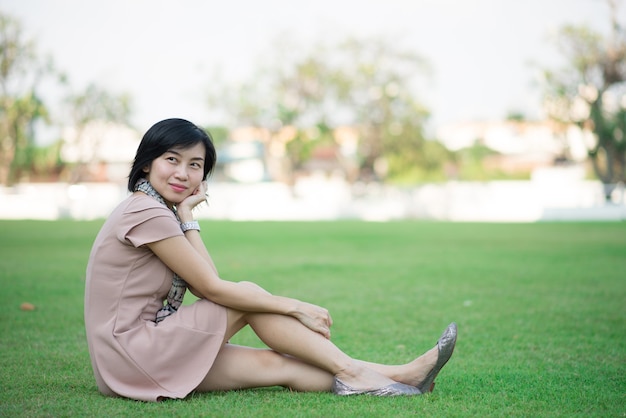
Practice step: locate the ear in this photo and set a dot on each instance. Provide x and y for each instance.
(146, 169)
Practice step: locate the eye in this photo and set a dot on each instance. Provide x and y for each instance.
(196, 165)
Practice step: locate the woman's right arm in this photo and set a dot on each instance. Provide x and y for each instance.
(180, 256)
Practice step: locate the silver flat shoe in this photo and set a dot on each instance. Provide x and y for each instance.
(394, 389)
(445, 346)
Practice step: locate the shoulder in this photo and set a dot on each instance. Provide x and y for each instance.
(139, 202)
(140, 208)
(143, 219)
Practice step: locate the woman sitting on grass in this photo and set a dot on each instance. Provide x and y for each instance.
(144, 345)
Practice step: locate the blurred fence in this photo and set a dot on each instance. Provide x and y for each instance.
(328, 199)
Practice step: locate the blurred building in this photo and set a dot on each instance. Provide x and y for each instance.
(243, 161)
(103, 152)
(252, 180)
(99, 152)
(257, 154)
(520, 145)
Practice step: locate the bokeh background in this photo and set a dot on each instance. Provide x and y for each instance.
(377, 110)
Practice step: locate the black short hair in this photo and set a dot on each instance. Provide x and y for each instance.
(165, 135)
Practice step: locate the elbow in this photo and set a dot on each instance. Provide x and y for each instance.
(195, 292)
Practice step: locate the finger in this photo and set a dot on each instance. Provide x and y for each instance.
(325, 333)
(201, 189)
(326, 329)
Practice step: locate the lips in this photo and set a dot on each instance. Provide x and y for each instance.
(178, 188)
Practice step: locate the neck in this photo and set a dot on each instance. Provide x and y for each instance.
(144, 186)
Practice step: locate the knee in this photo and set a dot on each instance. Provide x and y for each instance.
(271, 360)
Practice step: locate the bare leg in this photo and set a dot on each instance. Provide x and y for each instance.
(303, 360)
(289, 336)
(238, 367)
(309, 354)
(411, 373)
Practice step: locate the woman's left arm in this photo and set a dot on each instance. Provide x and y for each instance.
(194, 238)
(179, 255)
(184, 211)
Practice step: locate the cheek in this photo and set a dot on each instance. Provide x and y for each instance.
(157, 169)
(198, 177)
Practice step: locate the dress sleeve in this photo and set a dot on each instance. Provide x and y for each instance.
(146, 220)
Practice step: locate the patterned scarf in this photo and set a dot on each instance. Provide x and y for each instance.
(179, 286)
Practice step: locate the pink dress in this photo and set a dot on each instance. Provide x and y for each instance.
(126, 284)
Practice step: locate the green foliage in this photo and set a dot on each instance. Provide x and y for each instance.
(516, 116)
(302, 147)
(369, 85)
(20, 104)
(590, 92)
(22, 72)
(219, 134)
(376, 85)
(471, 164)
(429, 165)
(45, 162)
(95, 103)
(540, 309)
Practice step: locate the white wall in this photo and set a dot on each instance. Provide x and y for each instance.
(327, 199)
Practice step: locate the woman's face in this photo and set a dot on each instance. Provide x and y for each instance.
(177, 173)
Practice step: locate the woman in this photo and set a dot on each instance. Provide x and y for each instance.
(144, 345)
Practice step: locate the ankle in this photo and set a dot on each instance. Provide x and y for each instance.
(349, 371)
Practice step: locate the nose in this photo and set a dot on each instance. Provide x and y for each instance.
(181, 172)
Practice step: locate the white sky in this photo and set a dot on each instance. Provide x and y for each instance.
(163, 52)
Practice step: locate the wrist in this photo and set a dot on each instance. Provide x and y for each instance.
(184, 215)
(191, 225)
(292, 307)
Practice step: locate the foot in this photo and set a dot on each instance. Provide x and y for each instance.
(417, 370)
(421, 371)
(361, 379)
(445, 347)
(393, 389)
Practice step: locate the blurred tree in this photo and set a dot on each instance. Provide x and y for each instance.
(516, 115)
(20, 104)
(286, 97)
(367, 85)
(377, 92)
(94, 105)
(46, 163)
(219, 134)
(302, 89)
(591, 92)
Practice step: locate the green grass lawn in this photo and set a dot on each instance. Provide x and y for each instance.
(541, 310)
